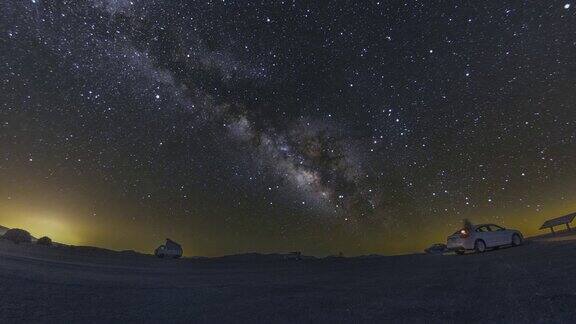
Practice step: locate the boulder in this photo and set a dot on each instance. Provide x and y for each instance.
(17, 236)
(44, 241)
(438, 248)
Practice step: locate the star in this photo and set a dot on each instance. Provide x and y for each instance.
(248, 118)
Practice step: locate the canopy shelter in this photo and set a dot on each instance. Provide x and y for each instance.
(563, 220)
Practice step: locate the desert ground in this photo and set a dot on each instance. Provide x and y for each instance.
(531, 283)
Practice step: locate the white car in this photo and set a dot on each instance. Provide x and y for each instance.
(481, 237)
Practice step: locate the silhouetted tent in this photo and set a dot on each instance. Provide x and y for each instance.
(44, 241)
(17, 236)
(563, 220)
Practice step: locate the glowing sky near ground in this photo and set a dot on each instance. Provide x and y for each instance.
(233, 126)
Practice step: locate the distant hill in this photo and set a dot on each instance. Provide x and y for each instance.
(5, 229)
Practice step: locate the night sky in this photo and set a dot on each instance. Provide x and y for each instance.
(314, 126)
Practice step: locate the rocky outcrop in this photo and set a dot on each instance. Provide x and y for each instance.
(17, 236)
(46, 241)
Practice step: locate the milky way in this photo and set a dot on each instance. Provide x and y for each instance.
(320, 126)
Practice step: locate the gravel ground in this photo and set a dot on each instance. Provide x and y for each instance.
(531, 283)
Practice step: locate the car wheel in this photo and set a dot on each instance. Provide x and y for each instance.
(479, 246)
(516, 240)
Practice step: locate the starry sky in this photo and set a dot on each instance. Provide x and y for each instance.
(272, 126)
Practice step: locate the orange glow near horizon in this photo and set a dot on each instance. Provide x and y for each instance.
(39, 224)
(66, 227)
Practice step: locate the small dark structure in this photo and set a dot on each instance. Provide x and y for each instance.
(17, 236)
(563, 220)
(296, 255)
(46, 241)
(170, 249)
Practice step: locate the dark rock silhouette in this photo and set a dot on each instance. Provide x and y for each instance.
(17, 236)
(44, 241)
(438, 248)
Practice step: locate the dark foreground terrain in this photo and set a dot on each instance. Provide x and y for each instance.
(532, 283)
